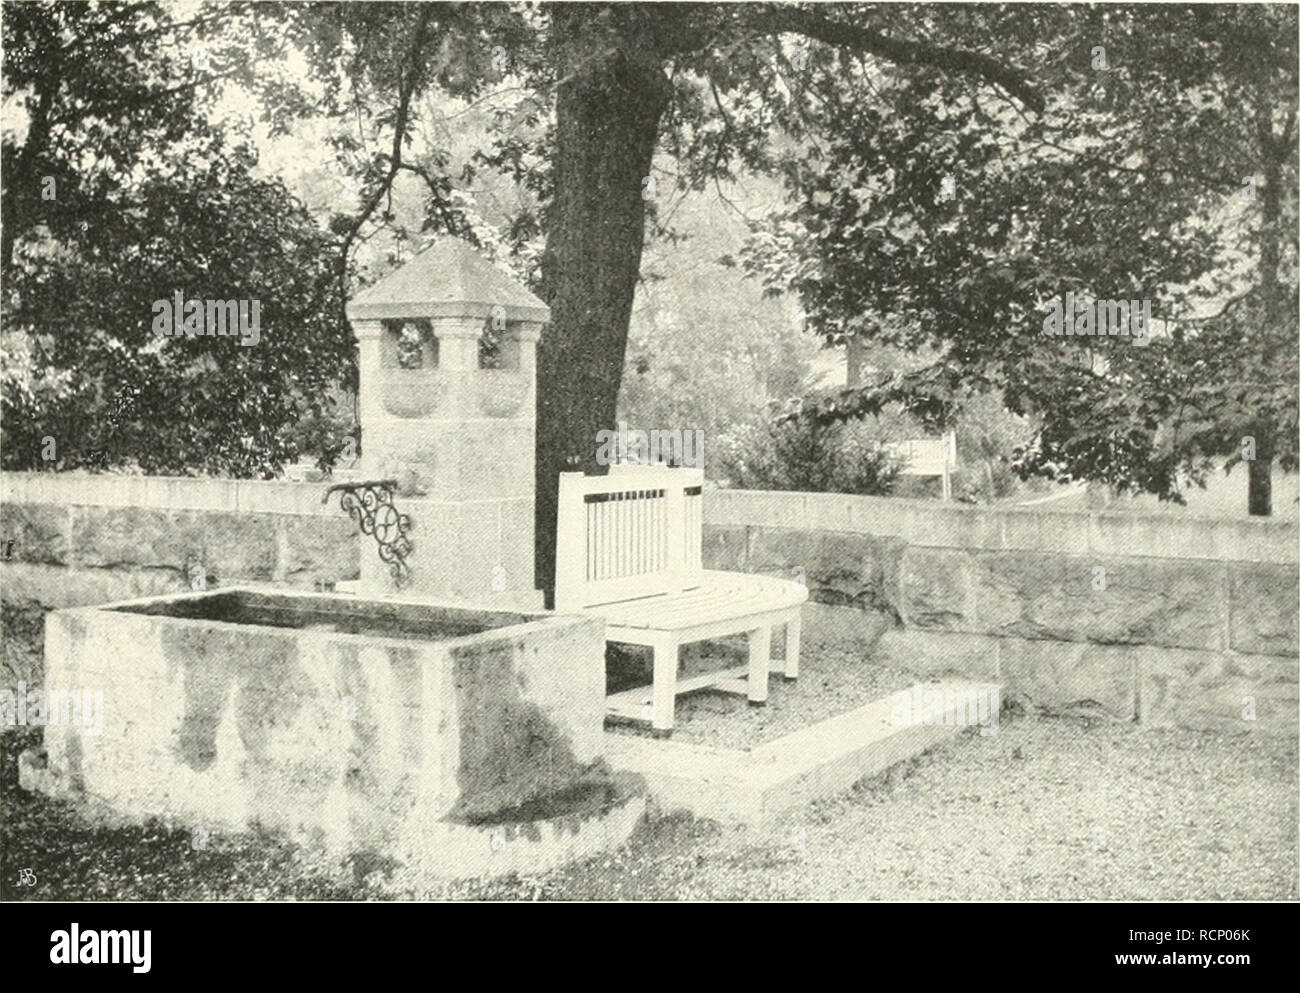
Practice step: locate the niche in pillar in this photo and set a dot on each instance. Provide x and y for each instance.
(409, 383)
(503, 387)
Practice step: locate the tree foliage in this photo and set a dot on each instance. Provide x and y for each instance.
(119, 191)
(1159, 171)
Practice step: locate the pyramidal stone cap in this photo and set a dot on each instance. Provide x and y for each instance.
(447, 279)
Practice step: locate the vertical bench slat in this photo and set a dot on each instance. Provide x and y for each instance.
(694, 536)
(599, 550)
(655, 526)
(641, 565)
(638, 525)
(612, 572)
(692, 547)
(688, 556)
(597, 522)
(625, 534)
(611, 539)
(604, 541)
(661, 542)
(621, 536)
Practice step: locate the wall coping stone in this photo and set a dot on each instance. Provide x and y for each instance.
(1012, 528)
(192, 493)
(918, 522)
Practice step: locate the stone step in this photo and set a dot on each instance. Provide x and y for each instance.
(822, 760)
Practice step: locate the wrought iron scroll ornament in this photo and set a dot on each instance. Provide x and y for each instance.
(370, 504)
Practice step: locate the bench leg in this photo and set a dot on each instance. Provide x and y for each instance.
(793, 628)
(760, 647)
(665, 685)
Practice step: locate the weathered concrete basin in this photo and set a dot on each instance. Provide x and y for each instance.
(364, 725)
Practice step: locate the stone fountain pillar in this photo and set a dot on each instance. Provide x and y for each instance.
(447, 398)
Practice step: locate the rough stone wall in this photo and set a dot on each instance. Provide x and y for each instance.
(1170, 620)
(1189, 620)
(81, 539)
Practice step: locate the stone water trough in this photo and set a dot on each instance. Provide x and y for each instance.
(452, 740)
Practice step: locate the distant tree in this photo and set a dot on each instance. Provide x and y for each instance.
(706, 351)
(801, 454)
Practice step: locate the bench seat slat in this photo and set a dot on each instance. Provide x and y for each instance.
(722, 595)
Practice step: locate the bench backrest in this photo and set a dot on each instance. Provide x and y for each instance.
(632, 533)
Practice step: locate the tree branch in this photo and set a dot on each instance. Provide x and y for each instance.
(812, 24)
(406, 87)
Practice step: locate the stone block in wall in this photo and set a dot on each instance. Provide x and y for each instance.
(39, 533)
(929, 654)
(846, 512)
(725, 547)
(1060, 676)
(54, 586)
(230, 547)
(838, 568)
(135, 538)
(1220, 691)
(936, 589)
(1265, 608)
(843, 629)
(318, 548)
(1134, 601)
(239, 547)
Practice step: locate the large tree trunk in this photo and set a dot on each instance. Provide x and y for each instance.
(610, 99)
(1259, 497)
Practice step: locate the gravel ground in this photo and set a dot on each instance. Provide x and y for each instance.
(833, 679)
(1047, 809)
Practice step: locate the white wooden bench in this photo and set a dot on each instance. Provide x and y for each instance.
(628, 548)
